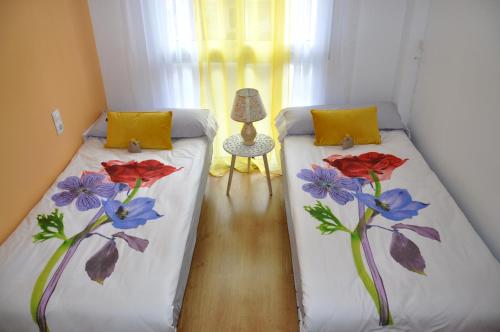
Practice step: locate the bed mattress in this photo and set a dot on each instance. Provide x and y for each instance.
(112, 282)
(450, 283)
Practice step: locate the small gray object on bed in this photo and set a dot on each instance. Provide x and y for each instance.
(347, 142)
(298, 120)
(134, 146)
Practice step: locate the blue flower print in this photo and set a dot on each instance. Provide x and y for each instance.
(394, 204)
(132, 214)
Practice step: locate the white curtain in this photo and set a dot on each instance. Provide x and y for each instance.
(148, 52)
(309, 32)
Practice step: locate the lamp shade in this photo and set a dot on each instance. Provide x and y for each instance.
(247, 106)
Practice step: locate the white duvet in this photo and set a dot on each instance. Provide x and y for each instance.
(460, 290)
(142, 293)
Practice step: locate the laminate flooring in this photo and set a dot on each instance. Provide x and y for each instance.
(241, 275)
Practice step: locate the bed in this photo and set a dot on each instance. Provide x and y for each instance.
(415, 263)
(127, 267)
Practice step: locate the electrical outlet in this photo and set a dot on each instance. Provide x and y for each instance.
(56, 117)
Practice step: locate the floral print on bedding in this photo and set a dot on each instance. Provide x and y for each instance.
(345, 179)
(112, 191)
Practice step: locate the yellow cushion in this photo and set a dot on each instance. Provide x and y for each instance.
(330, 127)
(151, 129)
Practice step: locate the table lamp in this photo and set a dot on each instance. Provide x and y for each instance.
(247, 108)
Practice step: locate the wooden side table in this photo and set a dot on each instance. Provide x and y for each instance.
(235, 147)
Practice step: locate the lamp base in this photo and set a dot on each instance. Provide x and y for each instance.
(248, 133)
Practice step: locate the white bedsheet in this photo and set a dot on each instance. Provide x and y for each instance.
(461, 291)
(144, 293)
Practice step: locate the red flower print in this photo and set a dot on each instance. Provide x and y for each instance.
(149, 171)
(360, 166)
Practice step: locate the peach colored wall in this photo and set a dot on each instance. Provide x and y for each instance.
(48, 59)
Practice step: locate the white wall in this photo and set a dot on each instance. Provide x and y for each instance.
(410, 55)
(377, 49)
(456, 113)
(367, 50)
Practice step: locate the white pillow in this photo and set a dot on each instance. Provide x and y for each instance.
(186, 122)
(298, 120)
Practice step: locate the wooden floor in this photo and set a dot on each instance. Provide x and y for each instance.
(241, 275)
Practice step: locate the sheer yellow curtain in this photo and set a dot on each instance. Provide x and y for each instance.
(241, 45)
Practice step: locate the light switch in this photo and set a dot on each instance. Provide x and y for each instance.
(56, 117)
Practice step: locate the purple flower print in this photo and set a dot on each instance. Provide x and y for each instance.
(325, 180)
(85, 190)
(395, 204)
(131, 215)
